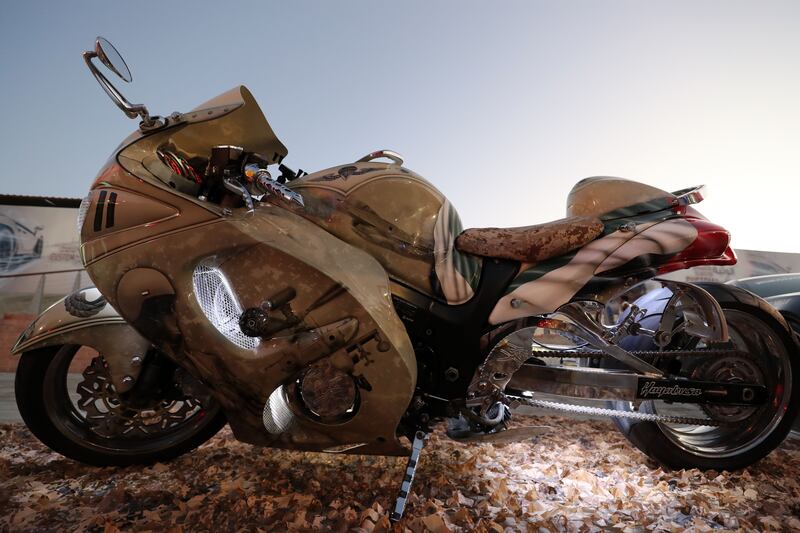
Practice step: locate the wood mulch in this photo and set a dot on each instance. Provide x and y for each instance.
(583, 476)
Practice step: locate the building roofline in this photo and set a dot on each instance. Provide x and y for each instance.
(38, 201)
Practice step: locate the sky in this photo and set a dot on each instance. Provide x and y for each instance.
(503, 106)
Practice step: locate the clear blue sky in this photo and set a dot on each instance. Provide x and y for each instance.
(502, 105)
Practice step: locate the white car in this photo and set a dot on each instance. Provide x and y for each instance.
(18, 243)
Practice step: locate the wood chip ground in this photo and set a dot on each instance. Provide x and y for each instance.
(583, 476)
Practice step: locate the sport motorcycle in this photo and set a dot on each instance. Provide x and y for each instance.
(347, 310)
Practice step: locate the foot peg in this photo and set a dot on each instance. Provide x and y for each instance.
(411, 468)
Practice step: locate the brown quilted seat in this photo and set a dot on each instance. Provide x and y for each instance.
(531, 244)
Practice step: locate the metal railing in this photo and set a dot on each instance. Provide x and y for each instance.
(37, 302)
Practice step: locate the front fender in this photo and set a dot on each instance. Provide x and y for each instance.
(84, 317)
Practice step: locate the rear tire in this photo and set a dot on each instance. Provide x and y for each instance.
(49, 413)
(676, 447)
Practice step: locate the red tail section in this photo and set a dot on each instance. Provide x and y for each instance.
(711, 247)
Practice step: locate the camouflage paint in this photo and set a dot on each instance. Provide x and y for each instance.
(144, 265)
(399, 218)
(637, 221)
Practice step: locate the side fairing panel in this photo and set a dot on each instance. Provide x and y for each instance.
(397, 217)
(123, 210)
(545, 287)
(344, 319)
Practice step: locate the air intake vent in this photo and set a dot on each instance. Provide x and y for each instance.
(219, 305)
(277, 416)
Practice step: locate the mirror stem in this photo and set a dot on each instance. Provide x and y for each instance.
(130, 110)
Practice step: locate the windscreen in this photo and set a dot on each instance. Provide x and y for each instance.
(232, 118)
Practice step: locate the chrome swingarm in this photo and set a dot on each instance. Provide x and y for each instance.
(511, 353)
(581, 323)
(603, 384)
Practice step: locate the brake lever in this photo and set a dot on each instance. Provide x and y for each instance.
(235, 187)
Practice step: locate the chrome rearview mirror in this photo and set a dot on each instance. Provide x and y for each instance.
(108, 56)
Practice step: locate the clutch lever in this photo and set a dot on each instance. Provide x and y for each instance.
(237, 188)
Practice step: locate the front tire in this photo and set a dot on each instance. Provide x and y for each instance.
(774, 355)
(62, 425)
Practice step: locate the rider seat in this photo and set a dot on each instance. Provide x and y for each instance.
(531, 244)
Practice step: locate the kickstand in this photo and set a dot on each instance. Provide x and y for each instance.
(411, 467)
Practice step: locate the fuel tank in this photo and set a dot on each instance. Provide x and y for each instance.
(397, 217)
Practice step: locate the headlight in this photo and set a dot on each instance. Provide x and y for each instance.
(220, 305)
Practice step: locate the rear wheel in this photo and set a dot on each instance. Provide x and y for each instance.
(767, 355)
(79, 414)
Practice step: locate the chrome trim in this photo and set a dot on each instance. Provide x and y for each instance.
(694, 195)
(388, 154)
(586, 328)
(707, 320)
(588, 383)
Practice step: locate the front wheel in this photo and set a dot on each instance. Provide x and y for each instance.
(766, 354)
(68, 402)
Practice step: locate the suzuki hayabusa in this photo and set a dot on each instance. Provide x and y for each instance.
(347, 311)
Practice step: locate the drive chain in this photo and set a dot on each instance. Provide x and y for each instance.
(640, 354)
(614, 413)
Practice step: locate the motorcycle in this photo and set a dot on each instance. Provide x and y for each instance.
(347, 311)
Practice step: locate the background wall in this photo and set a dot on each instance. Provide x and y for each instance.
(30, 278)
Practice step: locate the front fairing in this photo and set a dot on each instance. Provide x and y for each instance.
(232, 118)
(182, 271)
